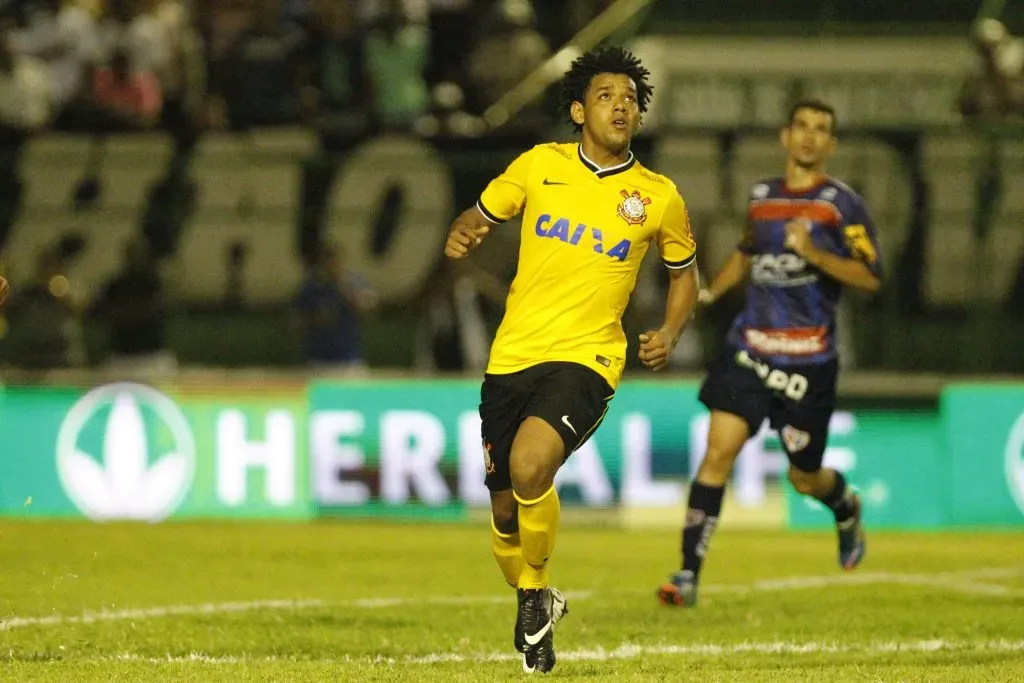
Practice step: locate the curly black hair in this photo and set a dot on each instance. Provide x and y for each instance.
(606, 60)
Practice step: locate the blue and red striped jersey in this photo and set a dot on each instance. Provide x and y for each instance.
(789, 316)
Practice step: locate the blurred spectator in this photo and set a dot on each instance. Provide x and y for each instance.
(66, 36)
(221, 22)
(25, 107)
(26, 91)
(162, 40)
(452, 24)
(509, 49)
(132, 305)
(263, 75)
(43, 316)
(300, 11)
(339, 85)
(396, 55)
(994, 92)
(148, 32)
(452, 332)
(122, 97)
(448, 115)
(328, 305)
(997, 88)
(130, 97)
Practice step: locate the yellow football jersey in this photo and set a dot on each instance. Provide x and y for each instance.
(585, 232)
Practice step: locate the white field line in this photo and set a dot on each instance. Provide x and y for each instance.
(954, 582)
(629, 651)
(623, 652)
(158, 612)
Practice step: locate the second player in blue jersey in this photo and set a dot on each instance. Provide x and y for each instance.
(807, 237)
(789, 316)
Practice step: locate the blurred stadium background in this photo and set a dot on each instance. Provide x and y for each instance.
(223, 222)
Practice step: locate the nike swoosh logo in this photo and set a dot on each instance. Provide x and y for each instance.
(565, 421)
(535, 638)
(553, 182)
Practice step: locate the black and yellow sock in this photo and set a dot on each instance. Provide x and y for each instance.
(701, 519)
(538, 523)
(839, 500)
(508, 554)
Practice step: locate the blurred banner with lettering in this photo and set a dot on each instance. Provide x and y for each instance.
(132, 452)
(412, 448)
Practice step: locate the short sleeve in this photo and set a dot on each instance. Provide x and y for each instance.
(675, 235)
(860, 239)
(505, 196)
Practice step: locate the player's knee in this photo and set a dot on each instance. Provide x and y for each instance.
(537, 453)
(718, 460)
(804, 482)
(532, 474)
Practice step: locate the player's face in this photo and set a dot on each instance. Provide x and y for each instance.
(611, 113)
(808, 138)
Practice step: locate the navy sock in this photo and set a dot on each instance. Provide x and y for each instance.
(839, 499)
(701, 519)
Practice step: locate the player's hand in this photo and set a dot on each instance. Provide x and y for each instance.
(654, 349)
(462, 239)
(4, 290)
(798, 236)
(705, 297)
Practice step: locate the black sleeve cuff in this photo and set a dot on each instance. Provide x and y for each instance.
(678, 265)
(487, 214)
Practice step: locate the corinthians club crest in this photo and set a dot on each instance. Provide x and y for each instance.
(633, 208)
(488, 463)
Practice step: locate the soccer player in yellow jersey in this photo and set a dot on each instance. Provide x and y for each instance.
(590, 213)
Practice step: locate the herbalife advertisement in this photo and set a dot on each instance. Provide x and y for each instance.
(128, 451)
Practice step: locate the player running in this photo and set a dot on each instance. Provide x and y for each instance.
(590, 212)
(807, 237)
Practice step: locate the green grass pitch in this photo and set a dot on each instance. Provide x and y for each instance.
(359, 601)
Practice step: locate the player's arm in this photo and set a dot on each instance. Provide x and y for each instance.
(678, 253)
(848, 271)
(858, 266)
(657, 345)
(467, 231)
(503, 198)
(732, 274)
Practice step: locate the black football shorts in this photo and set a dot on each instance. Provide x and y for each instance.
(570, 397)
(798, 400)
